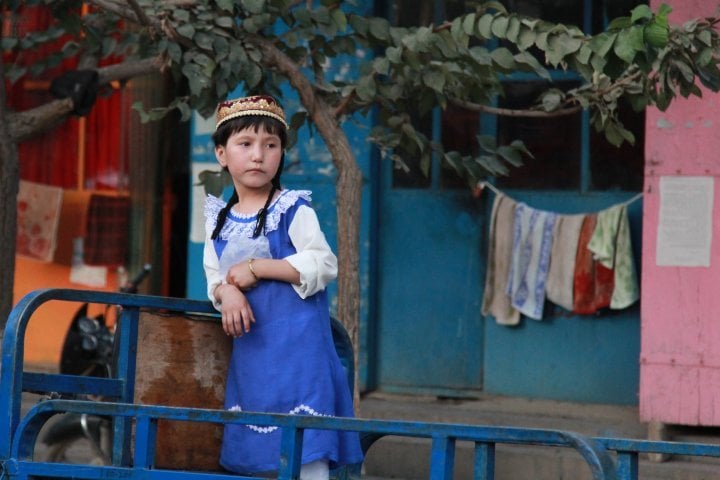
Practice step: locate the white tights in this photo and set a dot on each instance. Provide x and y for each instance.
(317, 470)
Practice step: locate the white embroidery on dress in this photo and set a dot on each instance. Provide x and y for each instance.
(295, 411)
(287, 199)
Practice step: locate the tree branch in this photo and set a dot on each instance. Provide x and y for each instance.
(508, 112)
(26, 124)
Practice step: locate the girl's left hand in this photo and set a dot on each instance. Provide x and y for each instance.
(241, 276)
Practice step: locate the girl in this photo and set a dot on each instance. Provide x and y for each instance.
(267, 264)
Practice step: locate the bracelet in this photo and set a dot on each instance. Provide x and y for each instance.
(252, 270)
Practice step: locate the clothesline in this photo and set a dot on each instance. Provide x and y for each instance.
(497, 191)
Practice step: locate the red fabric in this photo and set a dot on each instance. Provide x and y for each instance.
(593, 283)
(108, 222)
(53, 158)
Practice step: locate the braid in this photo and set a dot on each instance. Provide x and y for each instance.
(222, 215)
(262, 213)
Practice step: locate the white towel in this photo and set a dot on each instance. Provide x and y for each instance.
(559, 287)
(532, 244)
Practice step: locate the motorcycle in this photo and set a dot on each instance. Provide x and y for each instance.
(87, 350)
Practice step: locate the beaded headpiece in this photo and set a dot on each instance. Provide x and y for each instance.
(257, 105)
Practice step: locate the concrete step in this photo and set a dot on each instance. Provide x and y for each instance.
(408, 459)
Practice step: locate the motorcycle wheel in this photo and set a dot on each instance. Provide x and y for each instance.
(75, 450)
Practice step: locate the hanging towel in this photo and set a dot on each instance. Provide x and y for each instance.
(593, 282)
(495, 301)
(38, 211)
(559, 288)
(532, 243)
(611, 246)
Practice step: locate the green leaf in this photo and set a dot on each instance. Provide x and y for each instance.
(203, 40)
(380, 28)
(629, 42)
(225, 5)
(394, 54)
(359, 23)
(706, 37)
(511, 155)
(339, 18)
(551, 100)
(500, 26)
(253, 6)
(186, 30)
(601, 44)
(469, 24)
(641, 12)
(513, 29)
(456, 30)
(224, 22)
(503, 58)
(620, 23)
(484, 25)
(381, 65)
(526, 38)
(434, 79)
(520, 146)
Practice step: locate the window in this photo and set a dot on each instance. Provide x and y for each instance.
(569, 153)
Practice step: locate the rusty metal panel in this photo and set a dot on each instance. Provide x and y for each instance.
(182, 361)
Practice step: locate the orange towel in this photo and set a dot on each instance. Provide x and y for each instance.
(593, 283)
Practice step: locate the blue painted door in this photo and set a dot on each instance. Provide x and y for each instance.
(431, 263)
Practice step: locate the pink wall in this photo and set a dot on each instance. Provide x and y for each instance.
(680, 335)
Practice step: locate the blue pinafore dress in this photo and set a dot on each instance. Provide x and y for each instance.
(287, 363)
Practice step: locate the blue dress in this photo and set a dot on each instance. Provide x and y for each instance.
(287, 363)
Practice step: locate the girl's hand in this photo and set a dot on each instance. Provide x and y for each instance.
(235, 309)
(242, 276)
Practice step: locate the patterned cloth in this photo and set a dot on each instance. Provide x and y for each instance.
(611, 246)
(38, 214)
(495, 301)
(532, 244)
(559, 288)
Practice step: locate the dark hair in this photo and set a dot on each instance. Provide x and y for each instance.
(221, 136)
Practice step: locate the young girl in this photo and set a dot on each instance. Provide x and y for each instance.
(267, 265)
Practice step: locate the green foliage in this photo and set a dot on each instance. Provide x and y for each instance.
(211, 47)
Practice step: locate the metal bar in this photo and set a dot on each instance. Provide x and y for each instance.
(484, 466)
(290, 453)
(627, 465)
(71, 384)
(145, 442)
(124, 370)
(442, 458)
(650, 446)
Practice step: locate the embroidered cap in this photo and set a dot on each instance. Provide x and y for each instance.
(264, 105)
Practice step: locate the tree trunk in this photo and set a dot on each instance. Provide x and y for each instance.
(349, 191)
(9, 183)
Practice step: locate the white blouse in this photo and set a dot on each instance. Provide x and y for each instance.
(314, 260)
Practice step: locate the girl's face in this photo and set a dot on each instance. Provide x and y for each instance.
(251, 157)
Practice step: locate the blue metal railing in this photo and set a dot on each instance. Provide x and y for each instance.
(133, 455)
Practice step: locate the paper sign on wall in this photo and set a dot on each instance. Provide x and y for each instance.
(685, 223)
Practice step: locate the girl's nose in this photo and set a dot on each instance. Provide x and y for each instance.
(257, 154)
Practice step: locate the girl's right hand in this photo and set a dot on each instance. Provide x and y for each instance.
(237, 315)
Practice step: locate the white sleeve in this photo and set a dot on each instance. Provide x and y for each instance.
(211, 264)
(314, 260)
